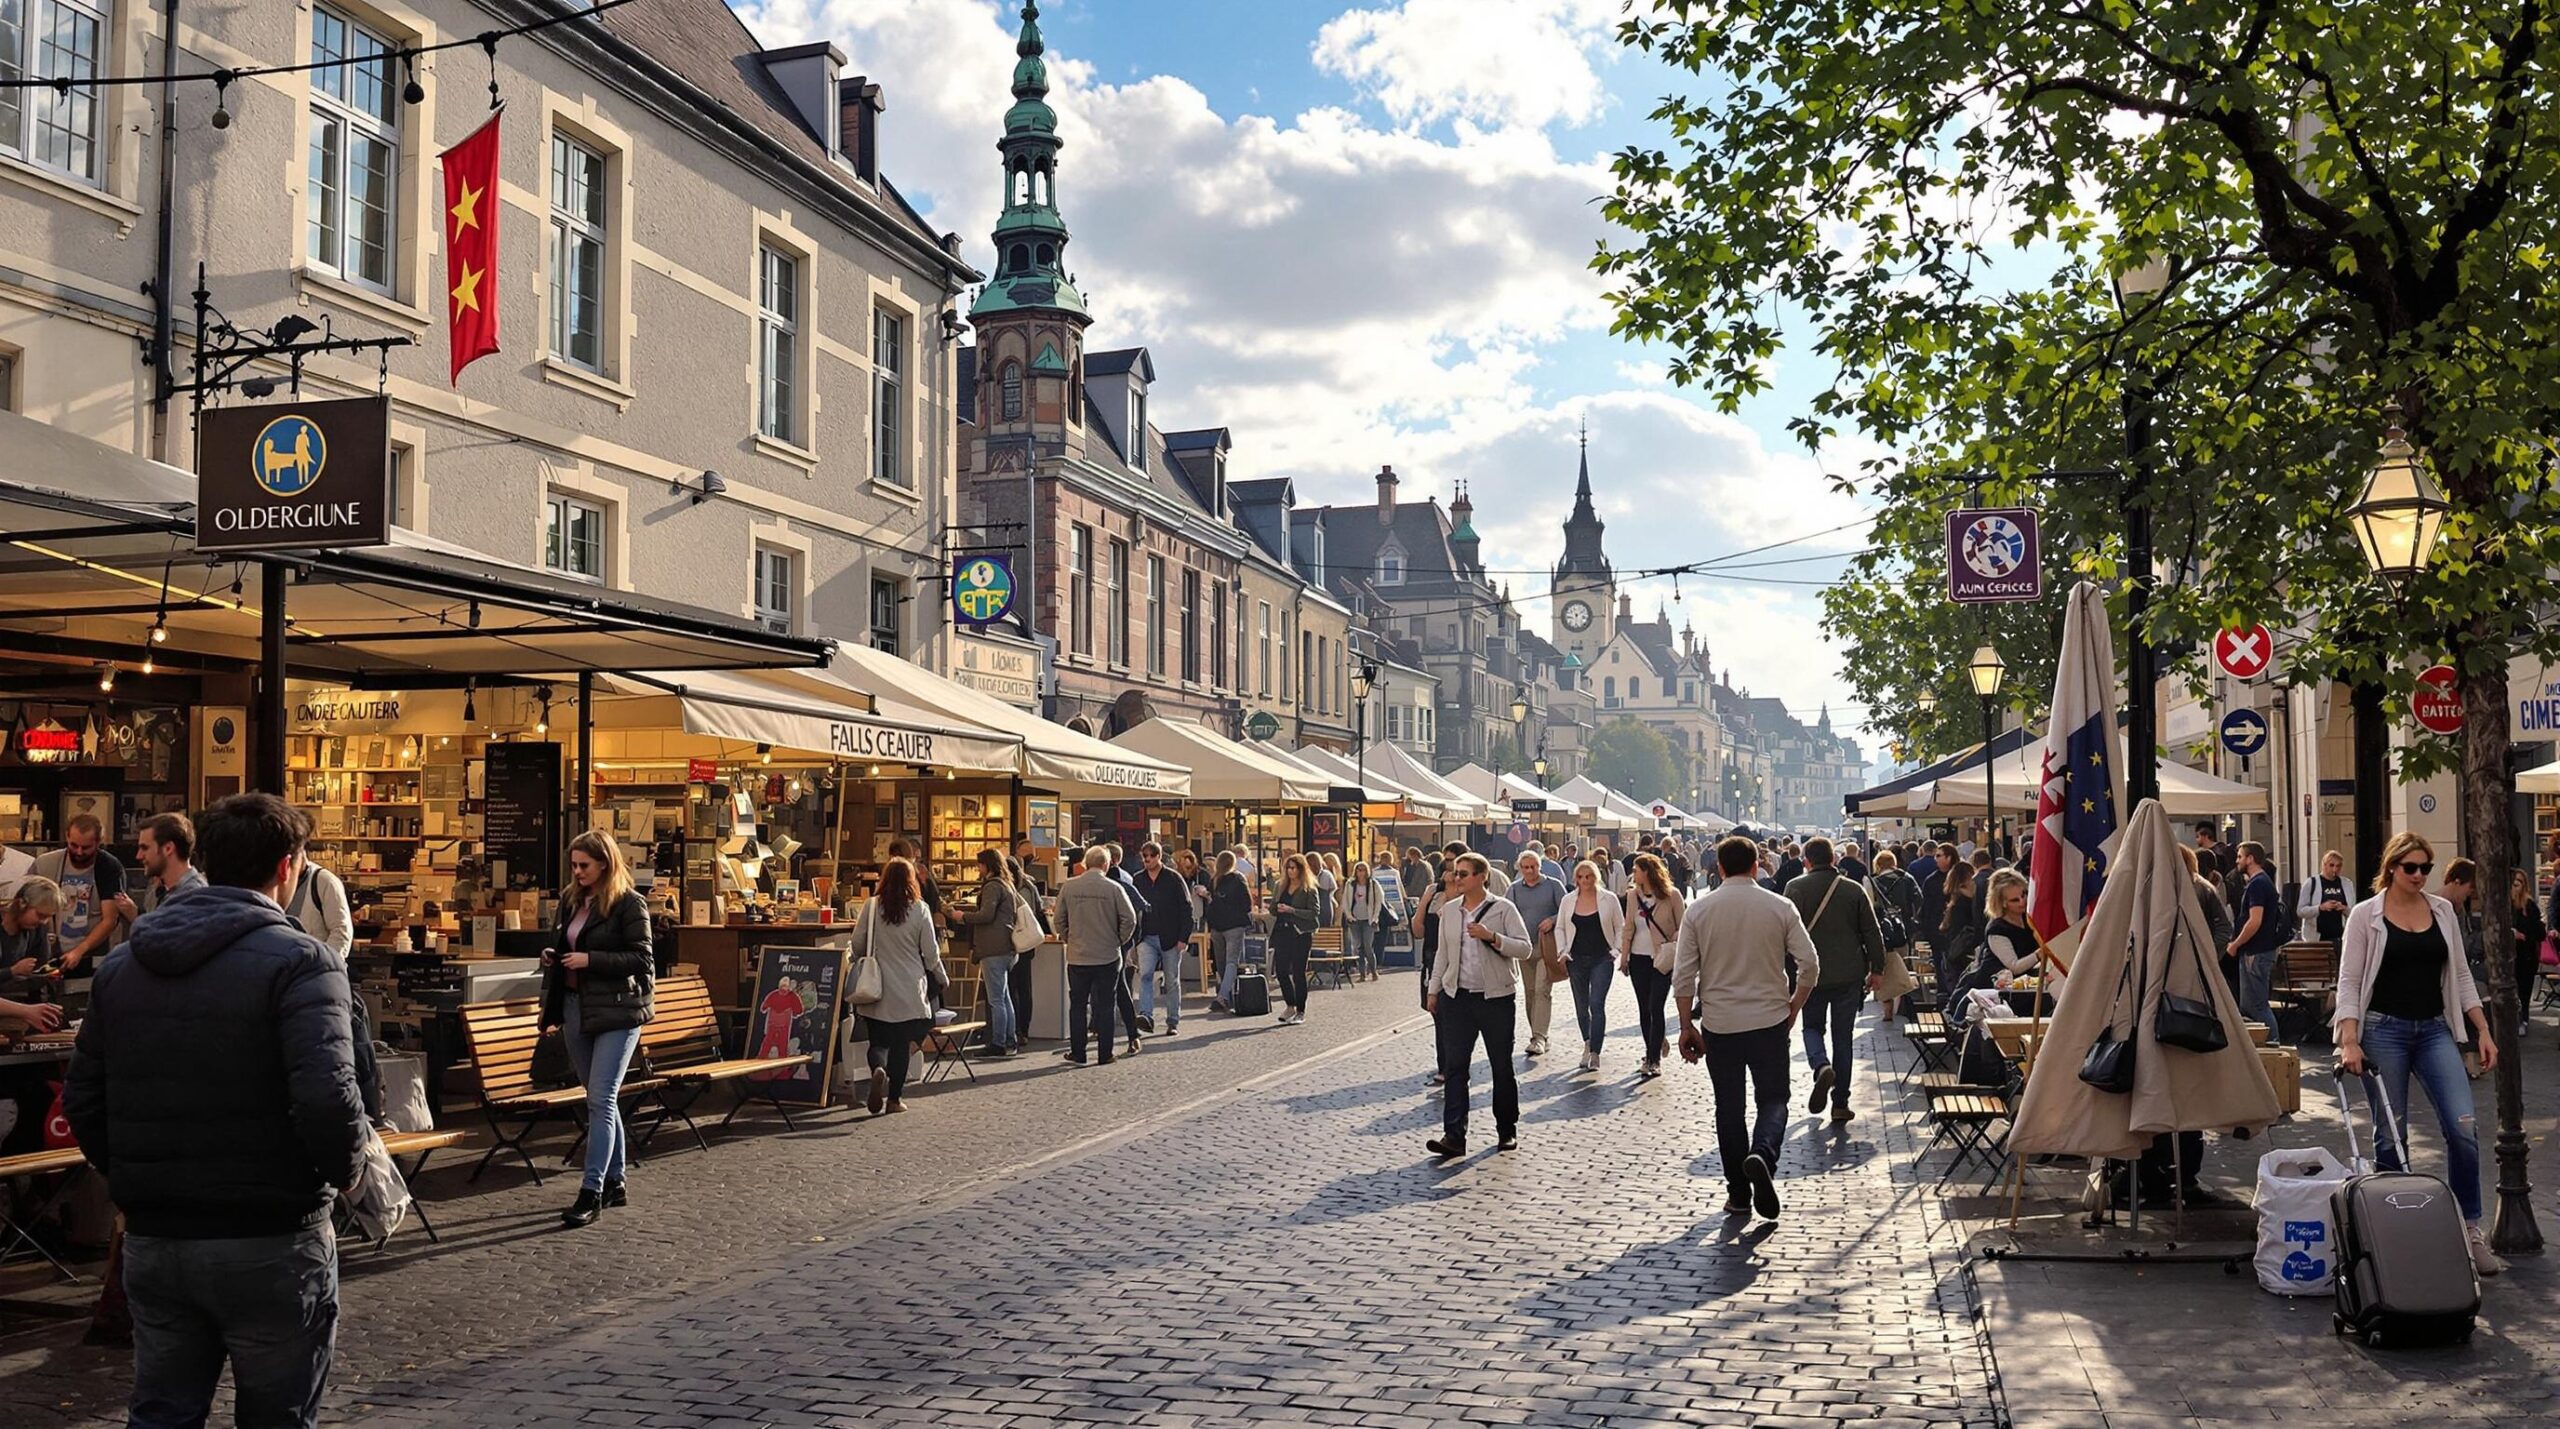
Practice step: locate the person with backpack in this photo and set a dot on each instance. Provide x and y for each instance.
(1897, 901)
(1648, 939)
(1842, 924)
(989, 924)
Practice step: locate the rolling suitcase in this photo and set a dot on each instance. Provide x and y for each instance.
(2404, 1268)
(1253, 992)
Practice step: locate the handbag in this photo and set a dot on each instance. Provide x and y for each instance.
(1026, 934)
(379, 1200)
(866, 978)
(551, 1065)
(2188, 1023)
(2108, 1066)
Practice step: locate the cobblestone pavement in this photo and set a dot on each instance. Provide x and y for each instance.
(1208, 1235)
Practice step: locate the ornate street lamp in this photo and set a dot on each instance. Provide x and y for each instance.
(2401, 513)
(1986, 671)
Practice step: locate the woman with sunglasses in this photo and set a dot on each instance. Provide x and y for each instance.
(2404, 988)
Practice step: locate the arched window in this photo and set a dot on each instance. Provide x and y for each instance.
(1021, 259)
(1012, 398)
(1048, 255)
(1021, 187)
(1040, 186)
(1635, 687)
(1609, 687)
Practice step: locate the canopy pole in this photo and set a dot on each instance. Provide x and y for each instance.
(268, 769)
(835, 849)
(586, 747)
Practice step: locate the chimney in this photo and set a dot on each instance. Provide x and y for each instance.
(1626, 609)
(1386, 495)
(859, 102)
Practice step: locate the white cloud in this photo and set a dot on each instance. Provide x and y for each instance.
(1500, 63)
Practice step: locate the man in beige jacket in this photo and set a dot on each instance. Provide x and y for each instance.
(1474, 993)
(1730, 982)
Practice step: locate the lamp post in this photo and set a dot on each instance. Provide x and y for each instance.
(1364, 678)
(1519, 720)
(2148, 281)
(1986, 671)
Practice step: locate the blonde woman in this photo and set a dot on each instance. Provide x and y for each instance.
(2404, 990)
(597, 982)
(1294, 911)
(1587, 930)
(1648, 940)
(27, 943)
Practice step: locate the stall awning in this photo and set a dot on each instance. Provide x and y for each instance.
(1503, 788)
(1616, 810)
(2015, 777)
(1415, 775)
(1050, 756)
(1889, 797)
(1334, 772)
(744, 711)
(1222, 771)
(1418, 804)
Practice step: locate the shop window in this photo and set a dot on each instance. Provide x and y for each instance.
(777, 585)
(573, 538)
(888, 397)
(1116, 597)
(355, 150)
(777, 344)
(577, 253)
(887, 595)
(1080, 590)
(54, 129)
(1156, 629)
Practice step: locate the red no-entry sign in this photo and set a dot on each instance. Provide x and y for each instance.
(2244, 654)
(2437, 702)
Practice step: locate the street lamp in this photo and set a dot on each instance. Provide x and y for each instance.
(1364, 678)
(2401, 513)
(1986, 671)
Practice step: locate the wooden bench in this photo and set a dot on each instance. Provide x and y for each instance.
(501, 1037)
(18, 1222)
(1325, 958)
(688, 1057)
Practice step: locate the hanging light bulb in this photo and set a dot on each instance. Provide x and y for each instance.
(148, 664)
(764, 754)
(222, 99)
(470, 711)
(107, 676)
(160, 631)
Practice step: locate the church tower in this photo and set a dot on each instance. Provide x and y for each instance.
(1584, 611)
(1029, 320)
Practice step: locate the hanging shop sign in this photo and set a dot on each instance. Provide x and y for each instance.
(294, 475)
(1263, 725)
(51, 742)
(1009, 672)
(1993, 555)
(981, 589)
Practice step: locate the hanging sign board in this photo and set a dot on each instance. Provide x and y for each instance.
(1993, 555)
(290, 476)
(981, 589)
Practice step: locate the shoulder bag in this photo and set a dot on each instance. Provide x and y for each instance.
(2109, 1063)
(2188, 1023)
(866, 979)
(1026, 934)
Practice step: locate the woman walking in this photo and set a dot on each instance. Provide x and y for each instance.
(2404, 987)
(898, 934)
(598, 979)
(1293, 934)
(1589, 940)
(1360, 905)
(2528, 936)
(989, 924)
(1426, 933)
(1648, 941)
(1230, 917)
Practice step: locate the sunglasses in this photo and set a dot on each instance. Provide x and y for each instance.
(2417, 870)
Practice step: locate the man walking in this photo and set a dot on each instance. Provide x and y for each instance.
(1729, 980)
(1842, 924)
(93, 894)
(1540, 900)
(2260, 939)
(168, 849)
(213, 1085)
(1474, 995)
(1164, 935)
(1118, 867)
(1095, 921)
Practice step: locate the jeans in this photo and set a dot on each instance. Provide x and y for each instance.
(1230, 945)
(2257, 976)
(1591, 997)
(1092, 994)
(268, 1304)
(1833, 1011)
(1653, 998)
(1465, 1018)
(1153, 953)
(1361, 942)
(601, 1061)
(1128, 1004)
(1289, 969)
(1537, 995)
(995, 975)
(1760, 1054)
(2395, 1047)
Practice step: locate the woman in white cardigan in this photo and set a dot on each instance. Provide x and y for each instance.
(1648, 939)
(2404, 988)
(1586, 935)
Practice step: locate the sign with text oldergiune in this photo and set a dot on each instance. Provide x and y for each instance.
(286, 476)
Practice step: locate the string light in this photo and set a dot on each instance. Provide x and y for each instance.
(107, 676)
(764, 754)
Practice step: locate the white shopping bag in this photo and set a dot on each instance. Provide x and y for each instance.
(379, 1199)
(2297, 1237)
(404, 1089)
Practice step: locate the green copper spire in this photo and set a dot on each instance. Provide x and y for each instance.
(1030, 236)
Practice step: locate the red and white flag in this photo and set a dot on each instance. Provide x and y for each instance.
(471, 245)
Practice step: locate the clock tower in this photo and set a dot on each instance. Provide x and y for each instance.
(1585, 608)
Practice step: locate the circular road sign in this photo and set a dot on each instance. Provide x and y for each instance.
(2437, 702)
(2244, 654)
(2244, 732)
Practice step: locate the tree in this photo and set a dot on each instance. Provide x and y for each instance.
(1634, 760)
(2356, 203)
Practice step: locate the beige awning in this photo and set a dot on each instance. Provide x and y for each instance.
(1222, 771)
(735, 710)
(1415, 775)
(1334, 770)
(1602, 806)
(1502, 788)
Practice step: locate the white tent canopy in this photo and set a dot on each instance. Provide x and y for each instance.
(1404, 769)
(1223, 771)
(2015, 778)
(1380, 788)
(1306, 761)
(1605, 807)
(1503, 788)
(2541, 779)
(752, 708)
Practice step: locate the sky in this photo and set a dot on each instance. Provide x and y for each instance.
(1361, 234)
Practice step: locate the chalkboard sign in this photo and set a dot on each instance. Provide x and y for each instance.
(797, 998)
(520, 813)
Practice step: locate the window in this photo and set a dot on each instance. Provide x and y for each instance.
(1307, 684)
(355, 150)
(1191, 626)
(1635, 687)
(888, 390)
(1080, 591)
(1391, 568)
(777, 344)
(1265, 683)
(1156, 630)
(1138, 429)
(887, 594)
(577, 253)
(1288, 648)
(1217, 630)
(1394, 726)
(59, 40)
(1609, 687)
(573, 538)
(1116, 593)
(776, 584)
(1012, 388)
(8, 382)
(403, 464)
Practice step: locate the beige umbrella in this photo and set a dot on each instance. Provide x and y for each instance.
(2148, 913)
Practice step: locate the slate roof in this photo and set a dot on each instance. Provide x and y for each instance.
(1112, 364)
(1353, 536)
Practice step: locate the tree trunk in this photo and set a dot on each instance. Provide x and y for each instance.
(2488, 831)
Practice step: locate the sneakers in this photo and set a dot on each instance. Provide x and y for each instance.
(1823, 1077)
(1738, 1204)
(1652, 1068)
(1510, 1140)
(1436, 1079)
(2483, 1260)
(1537, 1047)
(1147, 1023)
(1764, 1187)
(616, 1193)
(879, 1097)
(1591, 1059)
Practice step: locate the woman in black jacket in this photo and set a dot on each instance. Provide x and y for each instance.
(1294, 912)
(1230, 918)
(597, 981)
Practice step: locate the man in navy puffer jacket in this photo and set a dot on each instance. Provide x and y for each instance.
(213, 1084)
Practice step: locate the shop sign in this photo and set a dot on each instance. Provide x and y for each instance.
(345, 711)
(49, 743)
(872, 741)
(702, 771)
(223, 752)
(294, 475)
(2533, 701)
(1263, 725)
(1993, 555)
(981, 589)
(1122, 776)
(1528, 806)
(1008, 672)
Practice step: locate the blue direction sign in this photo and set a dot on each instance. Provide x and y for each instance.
(2244, 732)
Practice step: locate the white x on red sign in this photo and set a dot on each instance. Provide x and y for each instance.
(2244, 654)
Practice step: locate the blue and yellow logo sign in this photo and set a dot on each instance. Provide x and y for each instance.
(981, 588)
(290, 452)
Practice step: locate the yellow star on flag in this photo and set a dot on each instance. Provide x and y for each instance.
(466, 209)
(2094, 759)
(466, 293)
(2088, 806)
(2090, 863)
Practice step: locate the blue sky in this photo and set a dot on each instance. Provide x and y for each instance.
(1359, 234)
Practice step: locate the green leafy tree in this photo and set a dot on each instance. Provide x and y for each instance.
(1634, 760)
(2356, 203)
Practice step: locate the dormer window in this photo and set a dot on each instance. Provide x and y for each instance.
(1390, 568)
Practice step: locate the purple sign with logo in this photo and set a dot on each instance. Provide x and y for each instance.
(1993, 554)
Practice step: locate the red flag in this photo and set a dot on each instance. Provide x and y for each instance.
(471, 245)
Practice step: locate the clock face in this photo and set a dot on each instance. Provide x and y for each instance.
(1577, 616)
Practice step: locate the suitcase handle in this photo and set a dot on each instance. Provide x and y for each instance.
(2386, 1123)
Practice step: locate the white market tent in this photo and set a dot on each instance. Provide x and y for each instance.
(715, 713)
(1503, 788)
(1382, 790)
(1404, 769)
(1223, 771)
(2015, 778)
(1305, 761)
(2541, 779)
(1612, 809)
